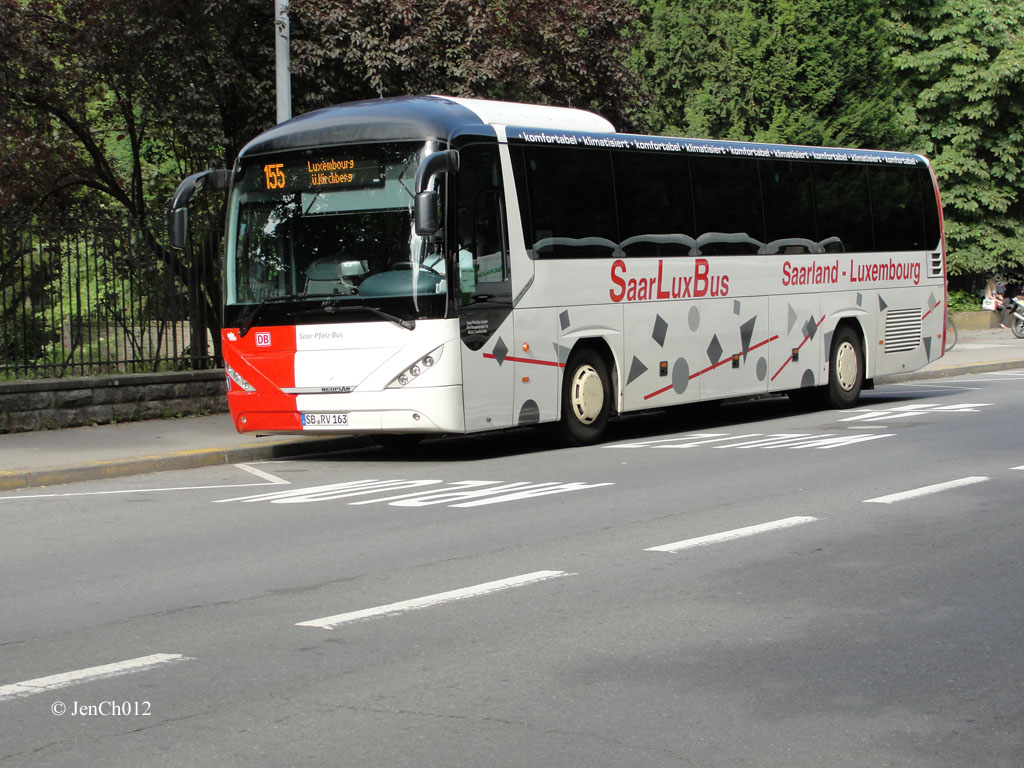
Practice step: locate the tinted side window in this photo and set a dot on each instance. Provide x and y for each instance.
(932, 233)
(896, 209)
(842, 207)
(727, 203)
(655, 204)
(481, 260)
(572, 202)
(788, 206)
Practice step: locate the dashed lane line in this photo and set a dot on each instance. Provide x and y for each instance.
(65, 679)
(738, 533)
(393, 609)
(927, 490)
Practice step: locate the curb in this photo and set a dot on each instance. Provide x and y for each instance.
(950, 370)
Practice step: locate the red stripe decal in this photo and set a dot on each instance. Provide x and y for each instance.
(719, 364)
(790, 358)
(552, 363)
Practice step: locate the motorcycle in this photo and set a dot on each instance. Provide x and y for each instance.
(1015, 315)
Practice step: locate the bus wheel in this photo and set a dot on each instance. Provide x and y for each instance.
(586, 398)
(845, 368)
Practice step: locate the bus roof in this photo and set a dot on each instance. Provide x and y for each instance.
(713, 147)
(441, 118)
(416, 118)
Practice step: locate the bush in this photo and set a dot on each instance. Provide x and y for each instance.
(963, 301)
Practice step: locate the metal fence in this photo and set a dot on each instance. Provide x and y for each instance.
(81, 299)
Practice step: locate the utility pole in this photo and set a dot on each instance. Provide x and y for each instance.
(283, 58)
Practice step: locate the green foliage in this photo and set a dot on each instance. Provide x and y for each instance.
(794, 71)
(963, 301)
(567, 52)
(963, 68)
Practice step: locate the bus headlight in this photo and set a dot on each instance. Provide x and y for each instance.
(235, 376)
(416, 369)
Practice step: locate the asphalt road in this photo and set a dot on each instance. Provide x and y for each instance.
(750, 586)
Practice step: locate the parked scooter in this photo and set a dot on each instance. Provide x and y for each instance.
(1015, 316)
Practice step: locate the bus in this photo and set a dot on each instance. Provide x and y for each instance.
(433, 265)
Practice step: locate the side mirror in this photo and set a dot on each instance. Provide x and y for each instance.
(177, 227)
(426, 212)
(425, 208)
(177, 213)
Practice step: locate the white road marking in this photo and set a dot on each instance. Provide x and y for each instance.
(926, 490)
(788, 440)
(127, 490)
(333, 491)
(461, 493)
(271, 480)
(931, 387)
(691, 438)
(274, 479)
(330, 622)
(913, 409)
(738, 533)
(53, 682)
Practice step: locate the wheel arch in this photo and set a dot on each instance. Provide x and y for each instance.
(600, 346)
(854, 323)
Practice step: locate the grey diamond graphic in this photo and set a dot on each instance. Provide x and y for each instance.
(500, 351)
(714, 350)
(660, 329)
(792, 319)
(882, 306)
(810, 328)
(563, 319)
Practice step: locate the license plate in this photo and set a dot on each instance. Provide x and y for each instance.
(325, 419)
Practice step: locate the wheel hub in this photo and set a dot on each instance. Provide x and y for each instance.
(587, 394)
(846, 366)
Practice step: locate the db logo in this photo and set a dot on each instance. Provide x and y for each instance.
(262, 338)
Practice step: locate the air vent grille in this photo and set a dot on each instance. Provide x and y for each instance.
(902, 330)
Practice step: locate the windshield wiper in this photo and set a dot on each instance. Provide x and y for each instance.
(333, 308)
(247, 322)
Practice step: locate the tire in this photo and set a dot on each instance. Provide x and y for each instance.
(951, 333)
(1017, 326)
(586, 399)
(845, 368)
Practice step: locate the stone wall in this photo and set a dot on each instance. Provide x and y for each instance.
(26, 406)
(975, 321)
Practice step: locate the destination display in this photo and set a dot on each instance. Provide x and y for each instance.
(334, 172)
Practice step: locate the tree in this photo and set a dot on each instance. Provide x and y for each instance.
(963, 64)
(794, 71)
(565, 52)
(107, 105)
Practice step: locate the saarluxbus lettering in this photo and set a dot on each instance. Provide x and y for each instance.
(655, 287)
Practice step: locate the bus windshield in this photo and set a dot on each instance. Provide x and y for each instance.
(316, 233)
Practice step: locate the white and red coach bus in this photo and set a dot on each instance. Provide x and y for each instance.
(430, 265)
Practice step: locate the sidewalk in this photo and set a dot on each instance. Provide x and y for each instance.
(34, 459)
